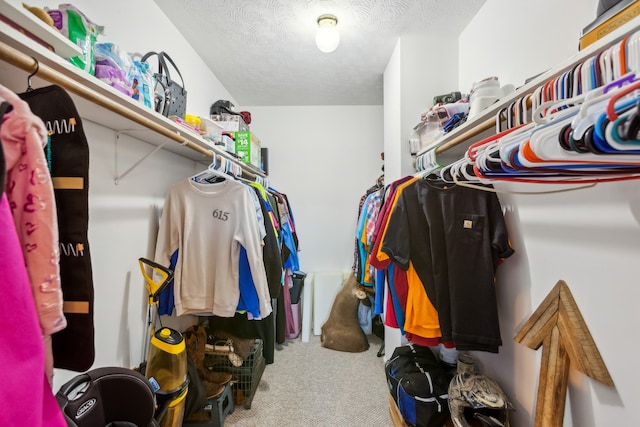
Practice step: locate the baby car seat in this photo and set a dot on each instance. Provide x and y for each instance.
(110, 397)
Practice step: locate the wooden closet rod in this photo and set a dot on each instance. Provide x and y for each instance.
(29, 64)
(478, 129)
(469, 133)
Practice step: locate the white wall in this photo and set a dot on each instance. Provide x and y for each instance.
(394, 152)
(518, 39)
(588, 238)
(413, 76)
(433, 62)
(324, 158)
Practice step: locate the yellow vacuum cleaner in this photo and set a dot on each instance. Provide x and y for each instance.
(166, 366)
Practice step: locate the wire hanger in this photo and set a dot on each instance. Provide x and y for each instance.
(29, 87)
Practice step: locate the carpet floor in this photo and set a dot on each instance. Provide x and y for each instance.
(309, 385)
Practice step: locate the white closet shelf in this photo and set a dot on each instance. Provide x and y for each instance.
(483, 125)
(14, 11)
(99, 103)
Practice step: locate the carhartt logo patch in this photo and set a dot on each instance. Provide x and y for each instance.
(467, 223)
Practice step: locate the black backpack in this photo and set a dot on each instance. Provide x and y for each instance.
(418, 384)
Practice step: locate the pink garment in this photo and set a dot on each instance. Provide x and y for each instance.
(30, 194)
(291, 330)
(25, 395)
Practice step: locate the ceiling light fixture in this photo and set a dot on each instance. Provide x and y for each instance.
(327, 36)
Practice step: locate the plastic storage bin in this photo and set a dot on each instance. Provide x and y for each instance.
(298, 284)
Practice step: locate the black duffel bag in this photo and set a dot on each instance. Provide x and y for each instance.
(418, 384)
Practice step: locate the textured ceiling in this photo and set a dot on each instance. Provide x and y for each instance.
(264, 53)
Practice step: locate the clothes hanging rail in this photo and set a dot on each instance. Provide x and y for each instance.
(29, 64)
(487, 119)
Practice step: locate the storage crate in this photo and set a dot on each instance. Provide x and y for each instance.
(245, 378)
(214, 411)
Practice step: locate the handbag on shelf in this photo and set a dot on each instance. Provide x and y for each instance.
(170, 96)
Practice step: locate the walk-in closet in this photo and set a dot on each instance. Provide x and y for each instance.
(378, 248)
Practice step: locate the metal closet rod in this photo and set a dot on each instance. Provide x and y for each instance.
(29, 64)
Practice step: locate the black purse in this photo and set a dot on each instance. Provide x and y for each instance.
(170, 97)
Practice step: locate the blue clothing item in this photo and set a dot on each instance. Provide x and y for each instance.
(267, 204)
(361, 251)
(248, 295)
(165, 298)
(292, 261)
(377, 309)
(366, 215)
(452, 122)
(397, 308)
(363, 216)
(362, 254)
(364, 316)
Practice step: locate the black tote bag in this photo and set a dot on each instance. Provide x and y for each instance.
(170, 96)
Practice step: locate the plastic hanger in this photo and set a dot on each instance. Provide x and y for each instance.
(596, 100)
(428, 163)
(523, 109)
(615, 134)
(631, 125)
(511, 143)
(587, 75)
(577, 74)
(606, 64)
(457, 171)
(499, 115)
(445, 174)
(542, 152)
(608, 136)
(263, 181)
(211, 175)
(521, 163)
(611, 111)
(630, 54)
(619, 60)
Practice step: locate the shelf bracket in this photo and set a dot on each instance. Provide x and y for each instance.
(118, 178)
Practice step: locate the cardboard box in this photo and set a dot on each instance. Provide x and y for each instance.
(618, 15)
(231, 122)
(248, 148)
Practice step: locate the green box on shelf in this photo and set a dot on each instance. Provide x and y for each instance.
(248, 148)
